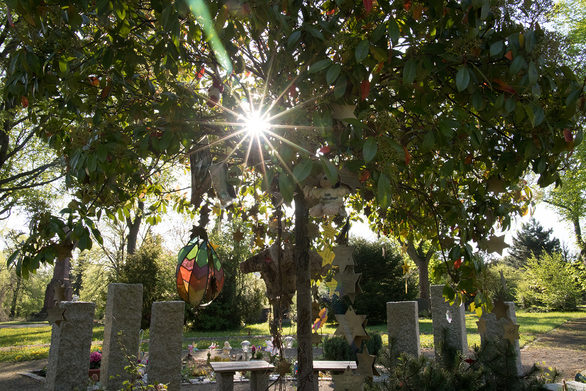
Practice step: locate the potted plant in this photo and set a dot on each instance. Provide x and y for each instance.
(95, 361)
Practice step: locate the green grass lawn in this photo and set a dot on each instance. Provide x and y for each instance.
(14, 341)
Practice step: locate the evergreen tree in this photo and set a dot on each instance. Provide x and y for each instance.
(532, 240)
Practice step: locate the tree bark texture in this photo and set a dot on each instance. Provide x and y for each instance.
(15, 297)
(305, 378)
(579, 239)
(60, 281)
(421, 259)
(133, 228)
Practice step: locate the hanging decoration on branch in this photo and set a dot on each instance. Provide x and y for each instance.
(199, 276)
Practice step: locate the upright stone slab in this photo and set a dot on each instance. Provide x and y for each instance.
(497, 346)
(71, 340)
(403, 326)
(121, 333)
(166, 335)
(449, 324)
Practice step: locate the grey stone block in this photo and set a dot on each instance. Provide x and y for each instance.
(495, 347)
(403, 326)
(166, 335)
(121, 333)
(449, 324)
(69, 355)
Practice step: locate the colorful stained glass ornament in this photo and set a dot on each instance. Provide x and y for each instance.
(200, 276)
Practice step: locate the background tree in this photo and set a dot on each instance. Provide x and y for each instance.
(447, 94)
(532, 240)
(382, 279)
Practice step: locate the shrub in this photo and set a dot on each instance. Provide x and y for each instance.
(337, 349)
(549, 282)
(374, 344)
(381, 281)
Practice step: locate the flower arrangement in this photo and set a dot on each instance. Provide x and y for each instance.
(95, 359)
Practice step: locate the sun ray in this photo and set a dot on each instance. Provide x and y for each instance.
(234, 149)
(291, 143)
(296, 107)
(217, 141)
(266, 84)
(274, 102)
(281, 159)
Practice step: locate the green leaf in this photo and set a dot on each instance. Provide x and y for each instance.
(532, 73)
(320, 65)
(409, 71)
(340, 88)
(293, 38)
(428, 141)
(383, 190)
(369, 149)
(517, 64)
(12, 258)
(394, 32)
(462, 78)
(361, 50)
(303, 169)
(496, 48)
(63, 65)
(286, 187)
(330, 170)
(333, 73)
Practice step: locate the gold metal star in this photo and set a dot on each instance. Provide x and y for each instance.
(331, 285)
(496, 244)
(351, 326)
(343, 256)
(315, 339)
(347, 381)
(511, 331)
(327, 256)
(348, 281)
(56, 315)
(500, 309)
(366, 364)
(481, 326)
(238, 236)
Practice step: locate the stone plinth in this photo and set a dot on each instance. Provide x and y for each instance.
(166, 335)
(71, 340)
(403, 326)
(449, 325)
(496, 348)
(121, 333)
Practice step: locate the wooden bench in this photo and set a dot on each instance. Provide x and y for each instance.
(259, 374)
(332, 366)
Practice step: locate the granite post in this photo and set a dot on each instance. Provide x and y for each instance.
(449, 325)
(71, 340)
(121, 333)
(166, 336)
(497, 347)
(403, 326)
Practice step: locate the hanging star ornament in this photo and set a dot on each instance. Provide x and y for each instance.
(343, 256)
(511, 331)
(500, 309)
(56, 315)
(315, 339)
(347, 381)
(331, 285)
(496, 244)
(348, 281)
(366, 364)
(351, 326)
(327, 256)
(481, 326)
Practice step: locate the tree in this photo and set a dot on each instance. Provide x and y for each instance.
(569, 198)
(447, 95)
(549, 282)
(532, 240)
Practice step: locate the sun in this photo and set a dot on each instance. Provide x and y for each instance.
(256, 124)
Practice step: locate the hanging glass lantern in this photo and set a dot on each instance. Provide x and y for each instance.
(200, 276)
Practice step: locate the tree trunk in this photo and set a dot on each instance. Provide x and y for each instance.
(305, 378)
(133, 228)
(579, 239)
(15, 297)
(60, 281)
(422, 261)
